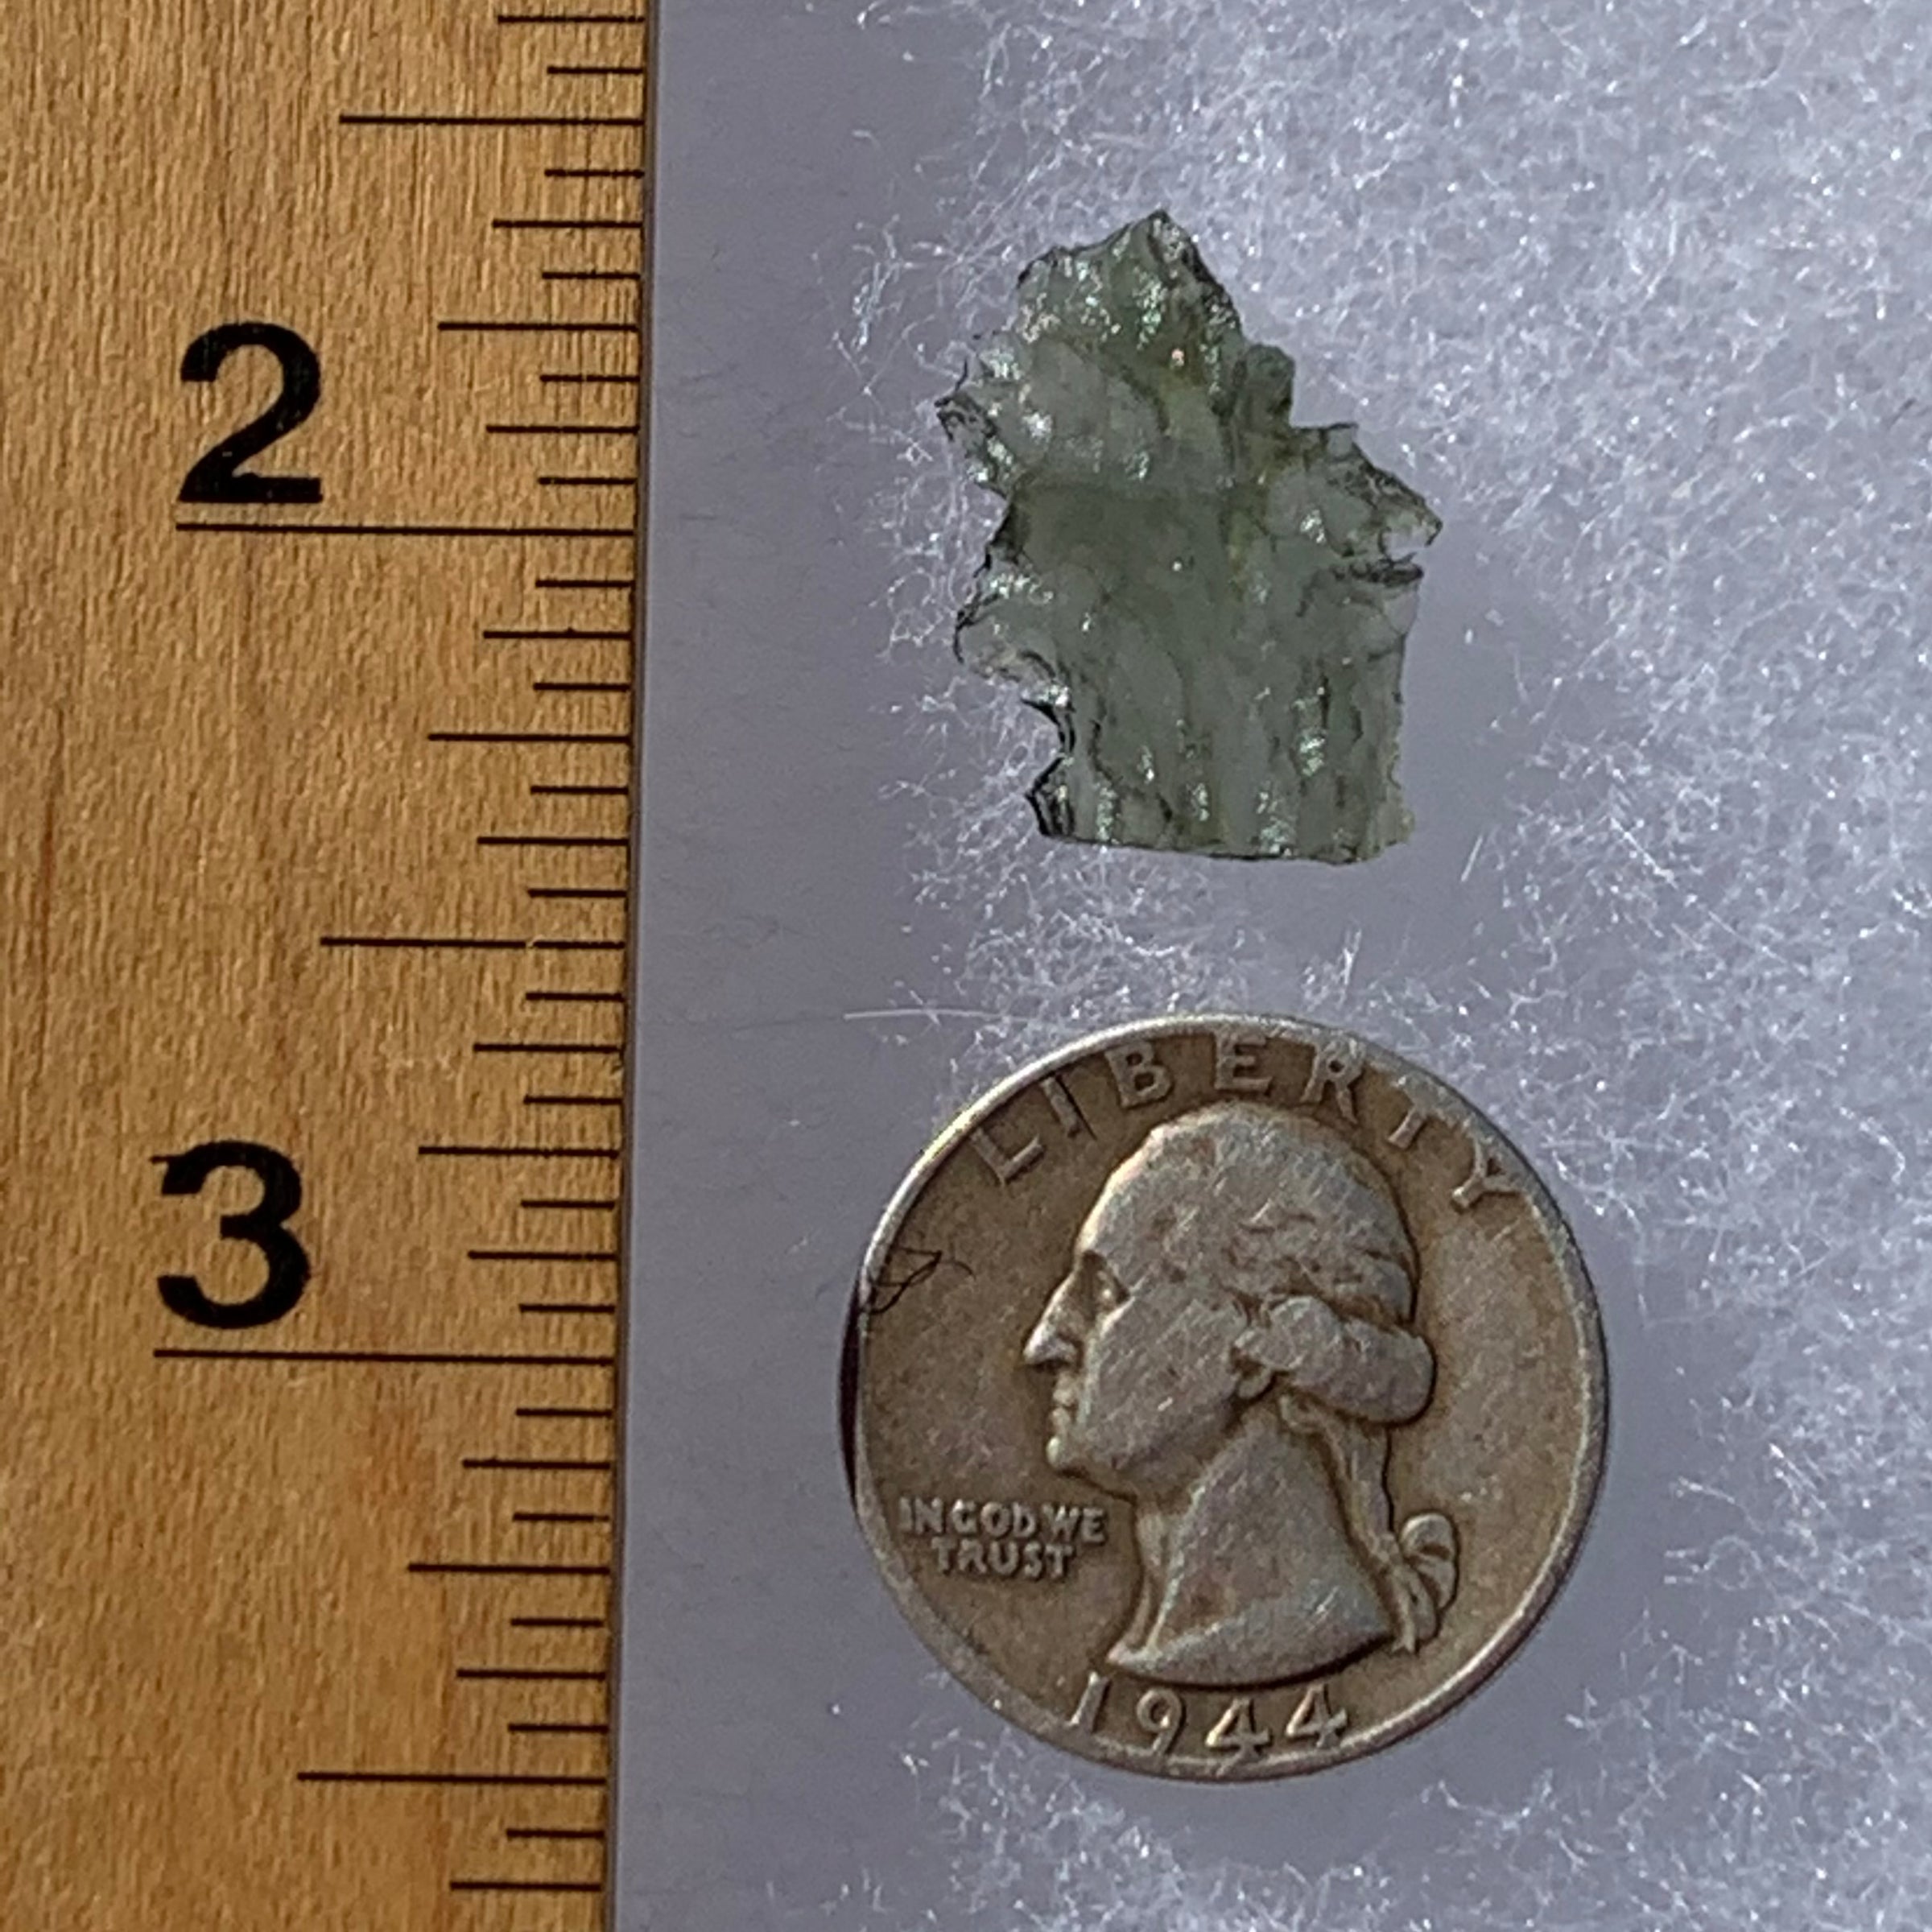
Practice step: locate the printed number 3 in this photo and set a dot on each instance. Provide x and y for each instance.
(263, 1224)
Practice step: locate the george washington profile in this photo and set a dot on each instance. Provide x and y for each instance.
(1230, 1349)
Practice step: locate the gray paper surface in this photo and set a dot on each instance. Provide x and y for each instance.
(1638, 305)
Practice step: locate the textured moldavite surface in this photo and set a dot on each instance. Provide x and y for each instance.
(1209, 602)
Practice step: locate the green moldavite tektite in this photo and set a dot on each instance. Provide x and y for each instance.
(1209, 602)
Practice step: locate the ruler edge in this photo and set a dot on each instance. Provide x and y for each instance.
(619, 1596)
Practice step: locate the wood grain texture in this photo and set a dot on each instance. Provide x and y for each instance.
(223, 749)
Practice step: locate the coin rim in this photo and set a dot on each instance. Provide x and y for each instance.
(979, 1677)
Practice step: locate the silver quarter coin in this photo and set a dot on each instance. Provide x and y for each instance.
(1228, 1397)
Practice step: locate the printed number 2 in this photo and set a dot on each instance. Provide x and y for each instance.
(263, 1224)
(218, 477)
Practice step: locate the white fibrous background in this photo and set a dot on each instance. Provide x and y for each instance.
(1640, 296)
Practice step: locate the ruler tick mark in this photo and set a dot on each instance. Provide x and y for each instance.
(561, 1049)
(513, 1152)
(529, 738)
(533, 327)
(593, 1465)
(456, 1569)
(561, 634)
(405, 942)
(569, 224)
(598, 841)
(543, 1254)
(500, 1675)
(403, 120)
(410, 942)
(383, 1357)
(525, 1885)
(536, 1779)
(580, 532)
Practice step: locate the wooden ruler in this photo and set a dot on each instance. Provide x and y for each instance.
(319, 426)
